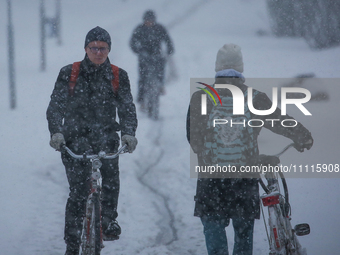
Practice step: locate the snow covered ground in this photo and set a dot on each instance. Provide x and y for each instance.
(156, 199)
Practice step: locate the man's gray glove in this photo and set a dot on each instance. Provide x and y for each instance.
(130, 141)
(57, 140)
(304, 142)
(305, 145)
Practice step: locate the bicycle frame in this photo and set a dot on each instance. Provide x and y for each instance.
(92, 236)
(282, 237)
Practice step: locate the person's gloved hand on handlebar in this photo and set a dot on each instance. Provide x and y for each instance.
(57, 140)
(130, 141)
(304, 142)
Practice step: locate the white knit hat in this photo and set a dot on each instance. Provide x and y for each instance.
(229, 57)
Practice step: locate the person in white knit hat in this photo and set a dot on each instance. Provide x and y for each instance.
(219, 199)
(229, 57)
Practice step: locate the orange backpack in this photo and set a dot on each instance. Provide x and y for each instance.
(75, 73)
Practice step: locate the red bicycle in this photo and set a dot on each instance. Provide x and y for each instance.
(92, 236)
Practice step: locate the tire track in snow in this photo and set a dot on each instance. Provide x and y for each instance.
(168, 232)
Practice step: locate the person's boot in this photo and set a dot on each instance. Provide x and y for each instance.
(111, 231)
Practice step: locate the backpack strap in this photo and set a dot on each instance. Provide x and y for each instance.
(115, 80)
(75, 73)
(73, 78)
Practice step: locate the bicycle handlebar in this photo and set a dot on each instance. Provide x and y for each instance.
(101, 154)
(265, 159)
(284, 150)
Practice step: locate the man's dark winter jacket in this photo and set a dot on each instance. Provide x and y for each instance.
(88, 118)
(232, 197)
(147, 40)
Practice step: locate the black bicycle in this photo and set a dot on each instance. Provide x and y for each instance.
(282, 237)
(92, 236)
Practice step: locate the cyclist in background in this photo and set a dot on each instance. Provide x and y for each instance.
(218, 200)
(146, 42)
(85, 120)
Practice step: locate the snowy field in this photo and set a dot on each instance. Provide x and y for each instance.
(156, 200)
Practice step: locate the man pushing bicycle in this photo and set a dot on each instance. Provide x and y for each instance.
(82, 114)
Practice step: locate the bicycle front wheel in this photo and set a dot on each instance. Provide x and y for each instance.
(92, 228)
(96, 225)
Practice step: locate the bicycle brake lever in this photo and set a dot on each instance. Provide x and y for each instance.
(299, 147)
(63, 148)
(124, 149)
(285, 149)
